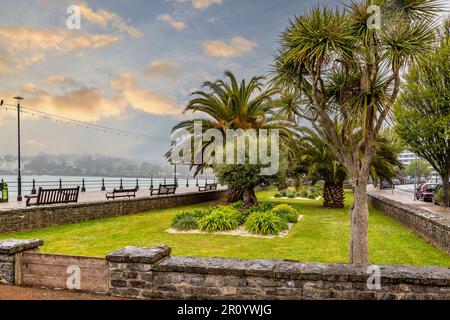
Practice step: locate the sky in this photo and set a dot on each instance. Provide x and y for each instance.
(132, 65)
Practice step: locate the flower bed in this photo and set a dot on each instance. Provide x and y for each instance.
(266, 220)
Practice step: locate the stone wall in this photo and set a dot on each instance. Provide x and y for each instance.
(47, 216)
(432, 227)
(9, 251)
(151, 273)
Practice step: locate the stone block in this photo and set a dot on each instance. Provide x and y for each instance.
(13, 246)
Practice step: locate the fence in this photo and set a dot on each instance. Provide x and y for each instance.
(30, 186)
(62, 272)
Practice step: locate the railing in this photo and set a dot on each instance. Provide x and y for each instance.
(30, 186)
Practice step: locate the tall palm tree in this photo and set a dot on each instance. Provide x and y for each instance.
(229, 104)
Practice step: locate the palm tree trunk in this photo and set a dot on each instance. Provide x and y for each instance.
(359, 219)
(333, 195)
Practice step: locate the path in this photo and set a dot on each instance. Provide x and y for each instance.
(21, 293)
(406, 196)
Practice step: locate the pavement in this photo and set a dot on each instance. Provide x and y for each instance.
(405, 194)
(23, 293)
(98, 196)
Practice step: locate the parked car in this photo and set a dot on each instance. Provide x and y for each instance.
(387, 185)
(425, 191)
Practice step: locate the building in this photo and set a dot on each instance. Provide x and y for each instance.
(407, 157)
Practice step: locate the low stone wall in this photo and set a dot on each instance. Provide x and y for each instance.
(49, 216)
(432, 227)
(151, 273)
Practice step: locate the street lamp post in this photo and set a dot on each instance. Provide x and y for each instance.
(415, 179)
(19, 178)
(175, 175)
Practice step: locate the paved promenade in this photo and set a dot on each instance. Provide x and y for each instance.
(405, 195)
(96, 196)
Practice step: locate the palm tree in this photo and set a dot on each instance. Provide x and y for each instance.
(349, 72)
(314, 158)
(228, 104)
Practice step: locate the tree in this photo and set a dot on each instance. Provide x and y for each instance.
(421, 169)
(228, 104)
(422, 113)
(314, 158)
(348, 74)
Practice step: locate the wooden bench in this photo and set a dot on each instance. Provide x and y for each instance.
(208, 187)
(121, 193)
(53, 196)
(164, 189)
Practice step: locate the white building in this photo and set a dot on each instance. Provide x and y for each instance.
(406, 157)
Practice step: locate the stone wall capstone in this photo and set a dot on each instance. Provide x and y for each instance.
(12, 220)
(151, 273)
(8, 250)
(432, 227)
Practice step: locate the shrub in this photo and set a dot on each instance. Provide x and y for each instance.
(265, 223)
(198, 214)
(238, 205)
(263, 207)
(283, 193)
(186, 222)
(291, 194)
(286, 212)
(278, 195)
(221, 219)
(304, 193)
(313, 193)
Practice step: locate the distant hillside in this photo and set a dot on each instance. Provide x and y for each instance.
(89, 165)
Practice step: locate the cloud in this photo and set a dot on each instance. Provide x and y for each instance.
(236, 47)
(199, 4)
(61, 40)
(61, 81)
(169, 19)
(107, 19)
(144, 100)
(83, 104)
(163, 69)
(34, 143)
(10, 62)
(21, 47)
(203, 4)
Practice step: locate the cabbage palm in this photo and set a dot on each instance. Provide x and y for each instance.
(349, 74)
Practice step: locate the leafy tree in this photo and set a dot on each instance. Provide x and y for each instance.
(422, 113)
(421, 169)
(348, 75)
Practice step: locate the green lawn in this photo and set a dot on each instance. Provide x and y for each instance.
(322, 236)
